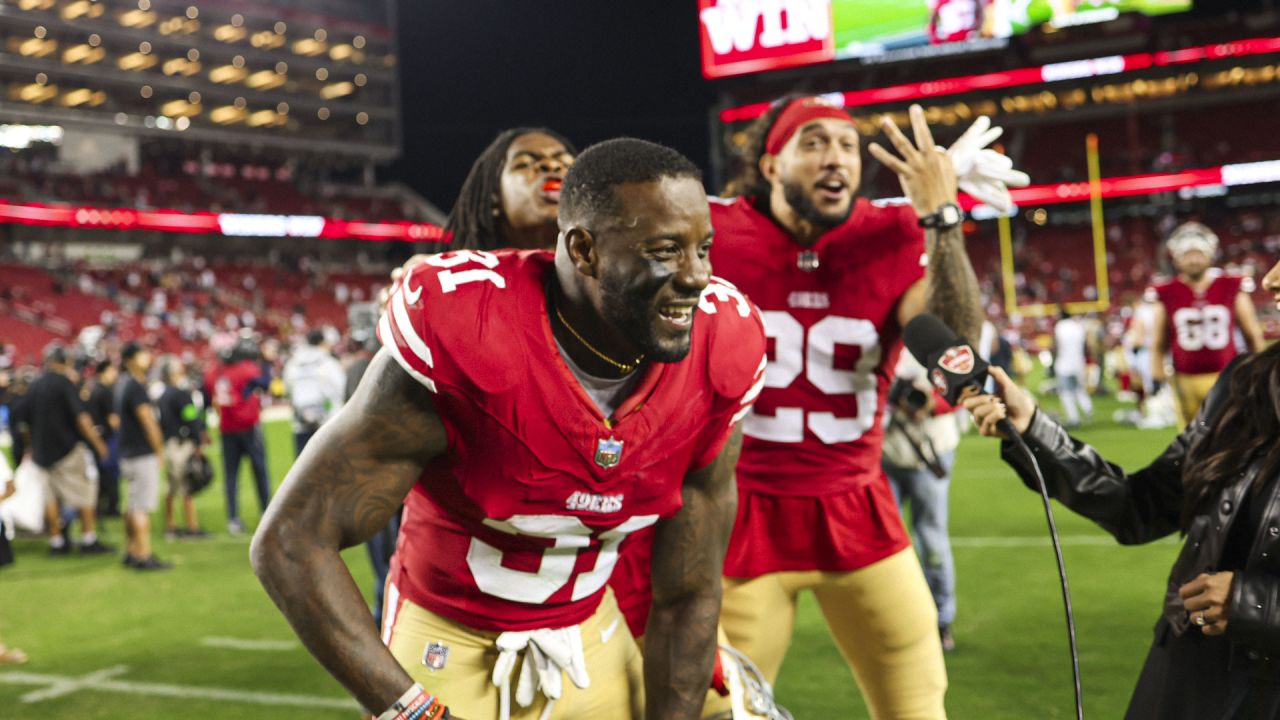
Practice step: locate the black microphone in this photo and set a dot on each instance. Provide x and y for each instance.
(953, 365)
(956, 371)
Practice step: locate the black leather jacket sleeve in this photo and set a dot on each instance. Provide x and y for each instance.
(1135, 508)
(1255, 611)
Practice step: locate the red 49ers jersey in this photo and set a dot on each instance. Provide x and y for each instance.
(1201, 326)
(811, 492)
(519, 524)
(834, 340)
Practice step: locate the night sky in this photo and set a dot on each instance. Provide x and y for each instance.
(591, 69)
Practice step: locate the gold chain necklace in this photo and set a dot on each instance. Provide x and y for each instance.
(624, 368)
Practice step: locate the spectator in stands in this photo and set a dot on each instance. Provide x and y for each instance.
(236, 389)
(1070, 339)
(100, 402)
(141, 447)
(920, 443)
(315, 384)
(55, 427)
(182, 422)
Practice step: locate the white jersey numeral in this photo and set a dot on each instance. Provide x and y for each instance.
(555, 571)
(815, 358)
(1207, 328)
(451, 279)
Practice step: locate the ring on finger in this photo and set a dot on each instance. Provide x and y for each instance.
(1200, 619)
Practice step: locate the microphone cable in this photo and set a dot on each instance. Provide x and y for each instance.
(1017, 440)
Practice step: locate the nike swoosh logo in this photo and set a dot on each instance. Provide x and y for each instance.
(608, 632)
(411, 296)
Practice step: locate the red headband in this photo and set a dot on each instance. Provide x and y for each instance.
(800, 112)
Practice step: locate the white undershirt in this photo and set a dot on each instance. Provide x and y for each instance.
(606, 393)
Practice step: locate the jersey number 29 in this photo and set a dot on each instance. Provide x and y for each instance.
(813, 353)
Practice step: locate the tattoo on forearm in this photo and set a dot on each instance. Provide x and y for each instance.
(344, 488)
(951, 287)
(680, 642)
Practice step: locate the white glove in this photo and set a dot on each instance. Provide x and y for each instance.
(982, 172)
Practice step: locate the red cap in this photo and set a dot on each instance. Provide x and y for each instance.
(800, 112)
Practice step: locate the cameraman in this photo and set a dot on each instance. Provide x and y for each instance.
(921, 435)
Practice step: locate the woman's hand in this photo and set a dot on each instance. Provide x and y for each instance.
(1010, 401)
(1207, 601)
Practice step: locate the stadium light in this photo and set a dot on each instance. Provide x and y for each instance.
(264, 80)
(337, 90)
(136, 62)
(226, 74)
(137, 19)
(83, 53)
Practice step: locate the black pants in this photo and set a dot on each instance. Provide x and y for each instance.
(235, 446)
(1188, 678)
(302, 436)
(6, 550)
(109, 480)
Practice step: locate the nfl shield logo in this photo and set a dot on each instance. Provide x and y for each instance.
(608, 452)
(435, 656)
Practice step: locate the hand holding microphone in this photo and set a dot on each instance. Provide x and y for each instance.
(959, 374)
(1010, 402)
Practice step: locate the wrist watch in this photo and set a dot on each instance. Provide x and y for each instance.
(944, 218)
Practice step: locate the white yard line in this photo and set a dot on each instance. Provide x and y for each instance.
(247, 644)
(68, 685)
(60, 685)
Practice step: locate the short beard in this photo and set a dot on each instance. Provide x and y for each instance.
(795, 195)
(626, 308)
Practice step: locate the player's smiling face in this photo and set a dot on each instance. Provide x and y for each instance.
(817, 171)
(531, 178)
(655, 264)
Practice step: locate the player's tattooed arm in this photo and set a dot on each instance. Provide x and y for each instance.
(951, 289)
(688, 557)
(344, 487)
(928, 177)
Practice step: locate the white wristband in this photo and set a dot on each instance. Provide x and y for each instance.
(400, 705)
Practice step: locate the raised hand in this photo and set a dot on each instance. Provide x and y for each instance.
(927, 173)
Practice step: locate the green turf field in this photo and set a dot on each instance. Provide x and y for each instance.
(107, 643)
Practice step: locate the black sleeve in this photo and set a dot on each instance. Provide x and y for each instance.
(71, 396)
(135, 396)
(1135, 508)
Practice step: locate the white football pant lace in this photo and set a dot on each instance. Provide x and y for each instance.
(547, 653)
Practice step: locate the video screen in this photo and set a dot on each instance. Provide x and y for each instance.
(866, 28)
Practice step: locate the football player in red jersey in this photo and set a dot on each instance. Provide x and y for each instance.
(1196, 317)
(836, 279)
(536, 409)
